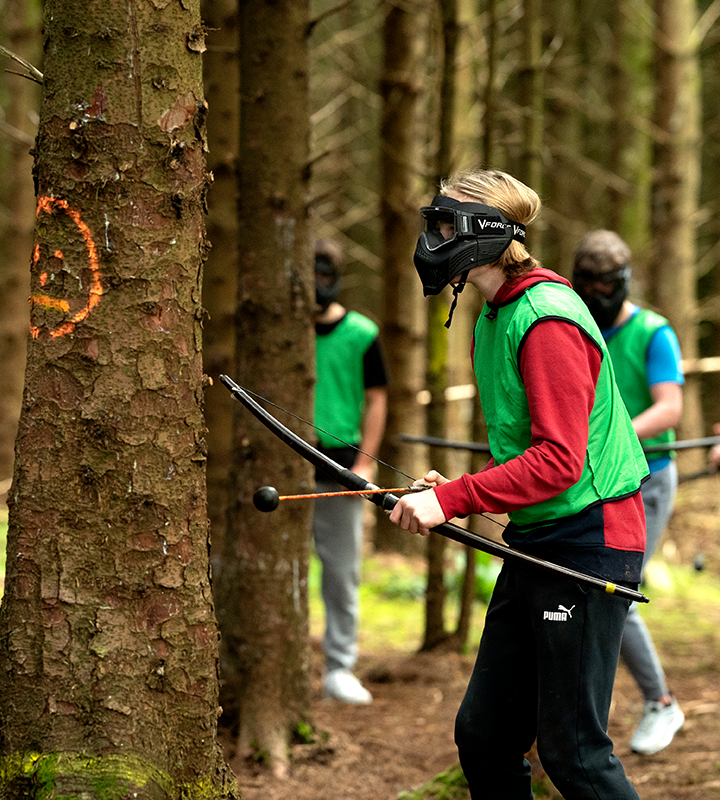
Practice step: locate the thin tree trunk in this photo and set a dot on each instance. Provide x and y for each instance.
(402, 310)
(109, 676)
(531, 96)
(222, 78)
(437, 339)
(262, 602)
(675, 190)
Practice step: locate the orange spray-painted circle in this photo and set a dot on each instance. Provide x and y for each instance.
(47, 204)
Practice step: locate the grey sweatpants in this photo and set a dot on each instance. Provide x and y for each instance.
(637, 649)
(338, 532)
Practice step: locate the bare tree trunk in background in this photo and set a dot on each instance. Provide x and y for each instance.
(402, 315)
(108, 674)
(436, 370)
(630, 151)
(531, 100)
(20, 32)
(489, 93)
(262, 599)
(222, 78)
(564, 182)
(675, 192)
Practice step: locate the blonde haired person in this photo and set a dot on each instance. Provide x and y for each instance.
(567, 467)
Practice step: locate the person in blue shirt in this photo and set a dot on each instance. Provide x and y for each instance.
(646, 357)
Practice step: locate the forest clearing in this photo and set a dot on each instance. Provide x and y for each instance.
(405, 737)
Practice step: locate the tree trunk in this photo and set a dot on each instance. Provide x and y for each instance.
(263, 583)
(675, 191)
(20, 26)
(630, 152)
(437, 340)
(531, 95)
(402, 296)
(565, 184)
(109, 677)
(221, 77)
(489, 92)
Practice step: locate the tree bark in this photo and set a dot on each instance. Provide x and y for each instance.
(108, 676)
(20, 28)
(263, 584)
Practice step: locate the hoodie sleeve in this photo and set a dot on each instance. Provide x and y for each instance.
(560, 367)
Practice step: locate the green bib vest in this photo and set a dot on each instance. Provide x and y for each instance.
(614, 462)
(340, 390)
(628, 351)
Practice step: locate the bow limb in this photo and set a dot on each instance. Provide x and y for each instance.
(387, 501)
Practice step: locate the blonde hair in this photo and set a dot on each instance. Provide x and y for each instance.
(518, 202)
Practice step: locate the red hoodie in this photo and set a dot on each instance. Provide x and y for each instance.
(559, 366)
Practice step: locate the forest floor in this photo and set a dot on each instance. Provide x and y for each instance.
(405, 737)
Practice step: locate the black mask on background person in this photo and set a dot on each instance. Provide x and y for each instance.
(327, 282)
(603, 307)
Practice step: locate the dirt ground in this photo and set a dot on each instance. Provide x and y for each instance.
(404, 738)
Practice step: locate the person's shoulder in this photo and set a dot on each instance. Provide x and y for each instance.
(361, 322)
(651, 319)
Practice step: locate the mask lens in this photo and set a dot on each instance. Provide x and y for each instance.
(439, 226)
(605, 280)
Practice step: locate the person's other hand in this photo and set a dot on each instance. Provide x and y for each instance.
(418, 513)
(433, 478)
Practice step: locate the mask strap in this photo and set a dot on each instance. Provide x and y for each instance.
(457, 289)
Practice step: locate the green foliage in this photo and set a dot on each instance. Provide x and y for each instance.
(487, 570)
(448, 785)
(304, 733)
(44, 776)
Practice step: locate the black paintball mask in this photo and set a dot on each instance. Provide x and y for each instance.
(479, 234)
(327, 282)
(603, 292)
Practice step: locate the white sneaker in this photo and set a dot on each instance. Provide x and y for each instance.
(342, 685)
(657, 727)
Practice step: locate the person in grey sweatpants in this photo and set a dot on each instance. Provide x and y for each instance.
(338, 533)
(350, 411)
(637, 649)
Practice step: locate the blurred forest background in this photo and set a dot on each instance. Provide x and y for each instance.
(336, 120)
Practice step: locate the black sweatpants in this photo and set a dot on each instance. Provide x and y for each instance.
(545, 670)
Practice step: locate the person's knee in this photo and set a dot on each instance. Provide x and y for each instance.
(469, 735)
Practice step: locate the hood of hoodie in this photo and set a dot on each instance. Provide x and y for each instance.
(509, 291)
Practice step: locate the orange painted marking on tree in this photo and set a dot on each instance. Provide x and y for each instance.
(47, 204)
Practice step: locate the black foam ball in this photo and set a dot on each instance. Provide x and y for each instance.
(699, 562)
(266, 498)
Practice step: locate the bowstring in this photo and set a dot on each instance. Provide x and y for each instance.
(404, 474)
(327, 433)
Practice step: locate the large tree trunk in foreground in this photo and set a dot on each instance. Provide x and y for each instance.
(108, 676)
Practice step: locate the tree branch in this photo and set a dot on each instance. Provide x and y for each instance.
(33, 73)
